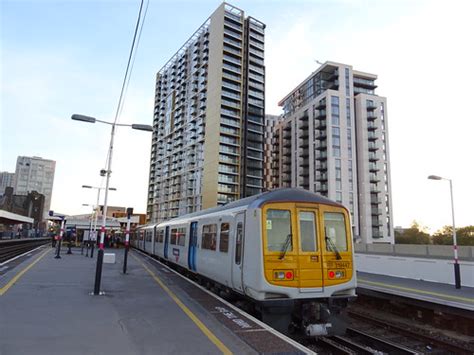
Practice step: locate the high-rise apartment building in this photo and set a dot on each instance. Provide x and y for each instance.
(35, 174)
(333, 139)
(207, 144)
(6, 180)
(268, 163)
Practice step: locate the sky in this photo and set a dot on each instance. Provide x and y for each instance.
(64, 57)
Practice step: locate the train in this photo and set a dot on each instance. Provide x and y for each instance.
(288, 252)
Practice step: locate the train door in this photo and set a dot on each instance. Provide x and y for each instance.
(337, 252)
(238, 259)
(192, 246)
(310, 258)
(167, 240)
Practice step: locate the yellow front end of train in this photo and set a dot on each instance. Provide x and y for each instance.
(306, 246)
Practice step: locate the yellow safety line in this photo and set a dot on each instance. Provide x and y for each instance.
(188, 312)
(21, 273)
(465, 299)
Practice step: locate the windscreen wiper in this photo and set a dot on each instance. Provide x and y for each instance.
(285, 246)
(332, 245)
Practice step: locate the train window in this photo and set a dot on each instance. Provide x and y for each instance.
(307, 231)
(224, 238)
(335, 228)
(238, 244)
(178, 236)
(161, 235)
(148, 236)
(209, 236)
(181, 236)
(278, 226)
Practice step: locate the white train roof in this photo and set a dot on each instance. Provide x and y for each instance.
(257, 201)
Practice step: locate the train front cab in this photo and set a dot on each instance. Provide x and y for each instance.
(308, 251)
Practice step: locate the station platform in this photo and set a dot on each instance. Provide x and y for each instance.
(46, 307)
(433, 292)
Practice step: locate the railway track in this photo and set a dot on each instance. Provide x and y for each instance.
(410, 335)
(11, 248)
(357, 342)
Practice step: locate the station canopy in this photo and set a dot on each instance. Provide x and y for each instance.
(13, 218)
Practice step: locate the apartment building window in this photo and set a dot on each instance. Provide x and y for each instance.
(349, 142)
(338, 180)
(335, 110)
(336, 141)
(348, 92)
(348, 112)
(351, 176)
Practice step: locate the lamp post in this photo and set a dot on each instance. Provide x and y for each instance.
(96, 207)
(100, 255)
(457, 269)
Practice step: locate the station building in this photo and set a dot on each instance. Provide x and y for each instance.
(207, 144)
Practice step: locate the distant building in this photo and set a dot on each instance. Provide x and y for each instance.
(207, 144)
(112, 210)
(35, 174)
(30, 205)
(6, 180)
(333, 140)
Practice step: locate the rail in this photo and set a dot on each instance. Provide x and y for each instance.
(14, 247)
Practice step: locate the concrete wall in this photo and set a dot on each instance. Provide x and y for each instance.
(419, 262)
(434, 270)
(418, 250)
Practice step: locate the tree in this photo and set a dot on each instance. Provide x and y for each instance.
(413, 235)
(464, 236)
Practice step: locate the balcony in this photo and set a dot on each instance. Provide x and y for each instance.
(371, 116)
(321, 135)
(321, 104)
(373, 167)
(372, 136)
(371, 126)
(322, 156)
(321, 176)
(364, 83)
(321, 187)
(373, 146)
(376, 211)
(373, 157)
(320, 124)
(321, 166)
(303, 152)
(321, 145)
(321, 114)
(374, 178)
(375, 200)
(371, 106)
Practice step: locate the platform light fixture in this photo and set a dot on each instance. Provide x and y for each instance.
(107, 172)
(457, 268)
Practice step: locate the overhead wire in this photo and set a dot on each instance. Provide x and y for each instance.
(130, 63)
(137, 26)
(134, 56)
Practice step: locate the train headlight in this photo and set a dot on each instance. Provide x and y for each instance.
(280, 275)
(335, 274)
(283, 275)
